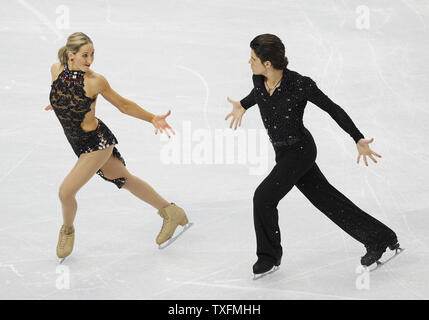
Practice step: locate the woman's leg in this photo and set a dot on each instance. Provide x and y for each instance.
(114, 168)
(85, 167)
(357, 223)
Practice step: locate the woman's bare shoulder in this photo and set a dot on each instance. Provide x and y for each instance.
(56, 70)
(56, 67)
(97, 80)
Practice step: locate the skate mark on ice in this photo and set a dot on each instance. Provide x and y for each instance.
(120, 257)
(269, 290)
(12, 268)
(206, 87)
(38, 14)
(306, 274)
(19, 162)
(192, 281)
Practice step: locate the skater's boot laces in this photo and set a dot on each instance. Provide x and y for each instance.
(65, 236)
(165, 222)
(63, 242)
(172, 217)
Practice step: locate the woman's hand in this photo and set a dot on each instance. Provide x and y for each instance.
(48, 108)
(160, 124)
(236, 113)
(364, 150)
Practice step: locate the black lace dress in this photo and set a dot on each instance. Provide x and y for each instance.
(71, 104)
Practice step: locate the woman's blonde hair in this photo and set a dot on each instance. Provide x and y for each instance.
(74, 42)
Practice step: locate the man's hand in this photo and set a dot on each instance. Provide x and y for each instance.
(364, 150)
(236, 113)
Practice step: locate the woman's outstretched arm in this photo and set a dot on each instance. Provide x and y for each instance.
(124, 105)
(131, 108)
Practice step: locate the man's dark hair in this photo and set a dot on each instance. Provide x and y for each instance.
(269, 47)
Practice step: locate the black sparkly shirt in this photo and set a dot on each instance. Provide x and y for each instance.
(282, 113)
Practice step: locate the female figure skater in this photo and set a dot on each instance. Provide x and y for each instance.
(74, 91)
(281, 95)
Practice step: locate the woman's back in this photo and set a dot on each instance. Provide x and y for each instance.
(71, 104)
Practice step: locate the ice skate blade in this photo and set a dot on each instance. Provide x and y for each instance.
(61, 260)
(379, 264)
(172, 239)
(259, 276)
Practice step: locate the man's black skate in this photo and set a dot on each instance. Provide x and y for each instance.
(262, 267)
(373, 255)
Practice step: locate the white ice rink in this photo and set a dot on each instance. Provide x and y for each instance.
(188, 56)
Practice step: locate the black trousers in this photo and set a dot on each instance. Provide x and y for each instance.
(296, 166)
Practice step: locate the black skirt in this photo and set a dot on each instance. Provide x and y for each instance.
(95, 140)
